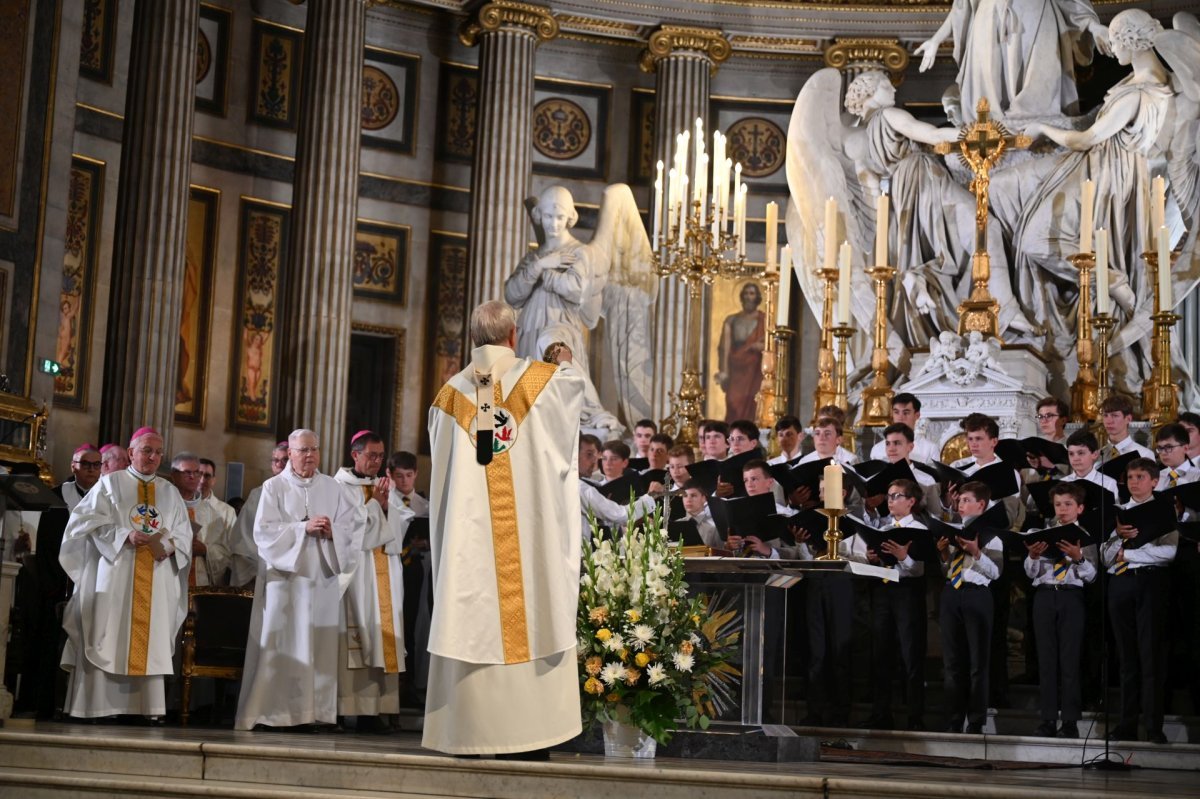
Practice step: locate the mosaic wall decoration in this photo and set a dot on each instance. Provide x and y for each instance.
(459, 89)
(97, 40)
(381, 261)
(757, 138)
(262, 251)
(389, 99)
(275, 75)
(447, 313)
(81, 244)
(212, 59)
(641, 149)
(570, 128)
(200, 257)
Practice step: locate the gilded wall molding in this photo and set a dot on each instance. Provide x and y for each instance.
(671, 39)
(498, 14)
(858, 53)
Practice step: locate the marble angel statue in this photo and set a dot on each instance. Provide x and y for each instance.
(1019, 54)
(1147, 120)
(932, 225)
(565, 286)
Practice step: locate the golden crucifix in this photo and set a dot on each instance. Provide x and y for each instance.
(981, 145)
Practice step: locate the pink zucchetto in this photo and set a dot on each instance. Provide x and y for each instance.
(360, 434)
(86, 448)
(143, 431)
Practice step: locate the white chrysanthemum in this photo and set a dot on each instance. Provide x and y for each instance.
(642, 635)
(695, 639)
(615, 644)
(656, 673)
(612, 673)
(683, 662)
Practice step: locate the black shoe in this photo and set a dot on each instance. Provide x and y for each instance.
(537, 755)
(1069, 729)
(1120, 733)
(974, 729)
(1156, 737)
(1046, 730)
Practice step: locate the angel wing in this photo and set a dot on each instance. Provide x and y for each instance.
(1180, 49)
(622, 254)
(817, 169)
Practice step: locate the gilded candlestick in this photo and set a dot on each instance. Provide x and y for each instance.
(877, 397)
(825, 393)
(1103, 323)
(1085, 405)
(765, 399)
(833, 533)
(783, 347)
(842, 333)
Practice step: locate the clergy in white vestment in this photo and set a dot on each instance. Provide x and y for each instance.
(371, 653)
(127, 547)
(210, 545)
(85, 471)
(221, 509)
(243, 553)
(309, 534)
(503, 673)
(113, 458)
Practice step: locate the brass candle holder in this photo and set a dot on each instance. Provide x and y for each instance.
(765, 399)
(1160, 395)
(1103, 323)
(783, 346)
(842, 333)
(833, 533)
(1085, 404)
(877, 397)
(825, 393)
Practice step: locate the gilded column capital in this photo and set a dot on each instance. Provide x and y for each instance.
(671, 39)
(497, 14)
(856, 54)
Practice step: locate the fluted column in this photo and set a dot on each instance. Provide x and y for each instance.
(684, 61)
(316, 313)
(498, 232)
(141, 367)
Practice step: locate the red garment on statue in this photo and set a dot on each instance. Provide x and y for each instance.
(744, 368)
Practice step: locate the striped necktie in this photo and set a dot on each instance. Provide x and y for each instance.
(407, 500)
(1060, 568)
(956, 570)
(1113, 451)
(1174, 481)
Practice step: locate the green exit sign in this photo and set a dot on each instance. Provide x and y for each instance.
(49, 367)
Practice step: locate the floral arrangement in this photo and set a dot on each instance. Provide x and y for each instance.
(650, 655)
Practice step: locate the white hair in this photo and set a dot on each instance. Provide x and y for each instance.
(492, 323)
(181, 458)
(302, 432)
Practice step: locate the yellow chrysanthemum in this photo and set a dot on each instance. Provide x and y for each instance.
(593, 666)
(695, 618)
(633, 615)
(624, 654)
(641, 659)
(604, 633)
(593, 686)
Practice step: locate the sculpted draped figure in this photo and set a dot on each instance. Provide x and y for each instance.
(1019, 54)
(565, 286)
(1147, 120)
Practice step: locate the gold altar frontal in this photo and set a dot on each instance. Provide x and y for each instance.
(60, 760)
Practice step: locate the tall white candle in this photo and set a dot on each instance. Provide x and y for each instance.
(1158, 202)
(832, 475)
(785, 286)
(702, 188)
(726, 176)
(683, 207)
(881, 230)
(1103, 303)
(672, 194)
(831, 233)
(772, 233)
(658, 197)
(1166, 294)
(737, 187)
(843, 295)
(743, 196)
(1087, 203)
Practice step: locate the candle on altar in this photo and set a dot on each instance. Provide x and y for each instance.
(785, 286)
(881, 230)
(1166, 294)
(658, 189)
(772, 233)
(831, 233)
(843, 295)
(737, 187)
(743, 194)
(1087, 203)
(832, 475)
(683, 207)
(702, 187)
(1103, 303)
(1158, 203)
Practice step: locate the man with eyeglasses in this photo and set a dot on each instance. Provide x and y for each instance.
(221, 509)
(1116, 412)
(244, 560)
(309, 533)
(371, 653)
(127, 548)
(85, 471)
(906, 409)
(210, 545)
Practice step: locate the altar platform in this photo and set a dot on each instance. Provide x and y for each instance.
(67, 760)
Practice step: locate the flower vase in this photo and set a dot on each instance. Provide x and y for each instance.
(627, 740)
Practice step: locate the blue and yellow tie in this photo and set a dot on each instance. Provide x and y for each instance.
(1060, 568)
(956, 571)
(1174, 481)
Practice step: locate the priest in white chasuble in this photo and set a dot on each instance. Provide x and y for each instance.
(243, 552)
(371, 654)
(505, 544)
(127, 548)
(308, 531)
(210, 536)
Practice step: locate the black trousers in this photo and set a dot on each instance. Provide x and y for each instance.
(966, 621)
(1058, 623)
(898, 622)
(1137, 608)
(829, 611)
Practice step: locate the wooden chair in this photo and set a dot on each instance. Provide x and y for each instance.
(214, 636)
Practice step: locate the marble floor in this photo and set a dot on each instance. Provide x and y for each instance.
(61, 760)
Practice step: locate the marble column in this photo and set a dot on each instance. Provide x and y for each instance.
(498, 232)
(316, 314)
(853, 56)
(684, 61)
(142, 364)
